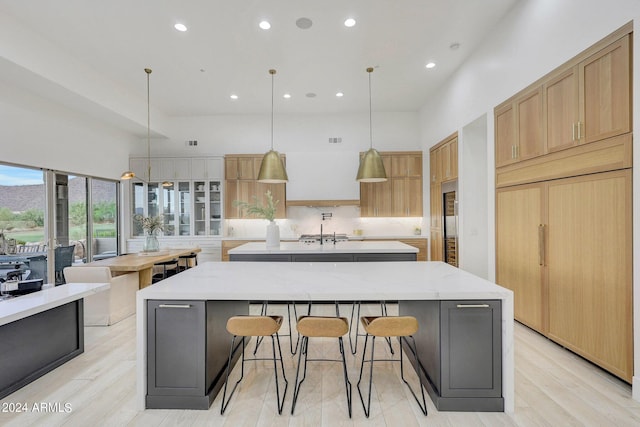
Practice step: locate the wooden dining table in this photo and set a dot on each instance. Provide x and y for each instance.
(141, 262)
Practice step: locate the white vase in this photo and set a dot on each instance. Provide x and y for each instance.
(273, 235)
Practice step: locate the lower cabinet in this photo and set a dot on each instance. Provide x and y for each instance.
(460, 350)
(187, 351)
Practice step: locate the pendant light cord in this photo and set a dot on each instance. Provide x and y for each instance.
(148, 71)
(272, 72)
(370, 70)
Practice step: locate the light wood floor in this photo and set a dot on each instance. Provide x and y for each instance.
(553, 388)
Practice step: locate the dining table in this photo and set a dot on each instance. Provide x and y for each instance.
(140, 262)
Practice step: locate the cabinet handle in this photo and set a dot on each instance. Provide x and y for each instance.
(579, 131)
(174, 306)
(573, 132)
(472, 305)
(541, 254)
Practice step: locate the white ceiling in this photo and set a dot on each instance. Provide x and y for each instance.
(225, 52)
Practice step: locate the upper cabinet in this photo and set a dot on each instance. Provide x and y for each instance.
(443, 160)
(586, 100)
(401, 194)
(206, 168)
(241, 173)
(177, 168)
(518, 128)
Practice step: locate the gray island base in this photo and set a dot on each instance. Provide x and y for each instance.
(465, 339)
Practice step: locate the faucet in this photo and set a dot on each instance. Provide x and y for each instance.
(321, 237)
(334, 237)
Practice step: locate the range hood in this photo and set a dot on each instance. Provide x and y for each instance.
(323, 178)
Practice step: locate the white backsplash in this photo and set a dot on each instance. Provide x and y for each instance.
(307, 220)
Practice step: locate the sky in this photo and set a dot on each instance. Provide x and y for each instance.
(10, 175)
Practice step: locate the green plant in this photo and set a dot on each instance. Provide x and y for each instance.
(150, 224)
(256, 208)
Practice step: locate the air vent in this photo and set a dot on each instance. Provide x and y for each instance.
(335, 140)
(192, 143)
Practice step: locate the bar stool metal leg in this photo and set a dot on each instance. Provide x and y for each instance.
(263, 312)
(353, 344)
(367, 406)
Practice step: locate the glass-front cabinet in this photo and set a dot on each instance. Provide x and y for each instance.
(208, 208)
(189, 208)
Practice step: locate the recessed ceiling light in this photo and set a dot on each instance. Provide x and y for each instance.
(349, 22)
(431, 65)
(310, 95)
(265, 25)
(180, 27)
(233, 96)
(339, 94)
(286, 95)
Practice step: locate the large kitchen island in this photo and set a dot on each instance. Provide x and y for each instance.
(466, 325)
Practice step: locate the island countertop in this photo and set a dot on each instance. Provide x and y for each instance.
(27, 305)
(349, 247)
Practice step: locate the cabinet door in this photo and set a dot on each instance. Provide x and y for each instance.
(453, 158)
(445, 162)
(590, 268)
(376, 197)
(406, 200)
(505, 130)
(529, 125)
(176, 348)
(206, 168)
(561, 102)
(230, 196)
(436, 205)
(437, 248)
(519, 215)
(409, 165)
(246, 168)
(181, 169)
(367, 199)
(433, 167)
(231, 168)
(246, 191)
(606, 92)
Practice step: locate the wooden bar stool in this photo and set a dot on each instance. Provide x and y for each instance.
(325, 327)
(387, 327)
(255, 326)
(353, 343)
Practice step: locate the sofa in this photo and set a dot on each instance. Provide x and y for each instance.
(110, 306)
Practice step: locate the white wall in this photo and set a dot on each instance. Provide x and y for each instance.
(36, 132)
(535, 37)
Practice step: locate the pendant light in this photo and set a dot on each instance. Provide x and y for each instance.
(272, 169)
(371, 167)
(130, 174)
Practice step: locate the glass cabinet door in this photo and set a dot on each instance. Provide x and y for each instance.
(215, 208)
(200, 211)
(184, 208)
(153, 199)
(137, 203)
(168, 210)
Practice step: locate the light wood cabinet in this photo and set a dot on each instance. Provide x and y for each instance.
(241, 172)
(520, 215)
(401, 194)
(590, 268)
(562, 110)
(519, 128)
(444, 167)
(564, 248)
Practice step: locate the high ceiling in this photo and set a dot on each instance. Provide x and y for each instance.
(224, 52)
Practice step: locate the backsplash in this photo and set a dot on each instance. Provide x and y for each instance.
(307, 220)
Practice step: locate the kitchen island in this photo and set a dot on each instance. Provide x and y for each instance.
(190, 310)
(349, 251)
(41, 331)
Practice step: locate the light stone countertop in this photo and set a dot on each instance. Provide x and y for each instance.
(324, 281)
(27, 305)
(350, 247)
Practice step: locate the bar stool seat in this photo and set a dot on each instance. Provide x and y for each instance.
(255, 326)
(401, 327)
(169, 268)
(187, 259)
(321, 327)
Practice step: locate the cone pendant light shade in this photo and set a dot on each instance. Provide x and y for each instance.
(371, 167)
(272, 169)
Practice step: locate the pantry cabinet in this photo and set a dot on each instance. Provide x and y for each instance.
(444, 167)
(241, 173)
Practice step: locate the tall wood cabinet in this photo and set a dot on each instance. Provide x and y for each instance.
(443, 162)
(241, 174)
(564, 218)
(401, 194)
